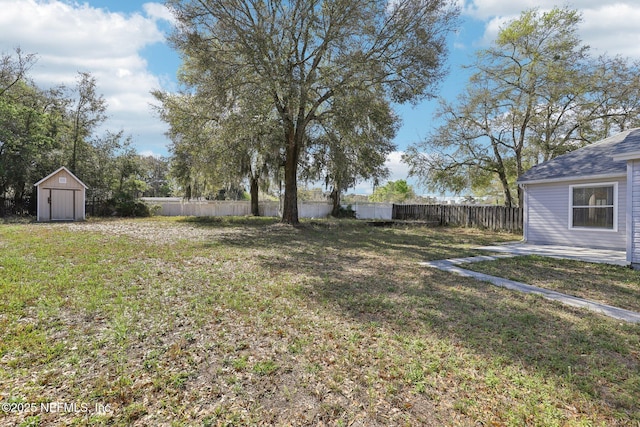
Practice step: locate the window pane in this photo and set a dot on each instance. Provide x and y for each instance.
(593, 196)
(580, 196)
(596, 217)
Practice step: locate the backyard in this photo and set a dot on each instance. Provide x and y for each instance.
(245, 321)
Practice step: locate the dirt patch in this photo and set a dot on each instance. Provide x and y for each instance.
(150, 231)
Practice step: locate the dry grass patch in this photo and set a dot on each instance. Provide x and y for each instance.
(248, 322)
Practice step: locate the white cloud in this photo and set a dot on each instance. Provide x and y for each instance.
(613, 29)
(70, 37)
(59, 29)
(608, 26)
(149, 153)
(397, 168)
(158, 11)
(365, 188)
(492, 27)
(486, 9)
(459, 46)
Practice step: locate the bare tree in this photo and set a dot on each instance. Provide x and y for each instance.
(535, 94)
(14, 68)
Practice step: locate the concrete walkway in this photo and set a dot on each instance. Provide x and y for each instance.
(451, 265)
(604, 256)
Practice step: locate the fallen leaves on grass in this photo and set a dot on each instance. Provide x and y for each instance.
(182, 323)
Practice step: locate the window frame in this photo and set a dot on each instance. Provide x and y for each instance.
(615, 206)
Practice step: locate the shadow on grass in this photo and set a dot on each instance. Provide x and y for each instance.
(229, 221)
(314, 236)
(609, 284)
(370, 274)
(592, 354)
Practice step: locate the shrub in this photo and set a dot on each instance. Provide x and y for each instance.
(133, 208)
(347, 212)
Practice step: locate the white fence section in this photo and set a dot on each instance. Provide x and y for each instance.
(314, 209)
(373, 210)
(176, 206)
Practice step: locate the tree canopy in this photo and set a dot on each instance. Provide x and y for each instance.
(393, 192)
(304, 56)
(43, 129)
(352, 145)
(535, 93)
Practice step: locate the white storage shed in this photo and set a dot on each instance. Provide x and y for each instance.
(61, 197)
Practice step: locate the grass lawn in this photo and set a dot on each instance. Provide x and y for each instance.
(608, 284)
(207, 322)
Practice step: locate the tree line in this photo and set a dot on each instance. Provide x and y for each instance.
(44, 129)
(275, 92)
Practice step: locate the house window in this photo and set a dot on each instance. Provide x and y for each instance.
(593, 206)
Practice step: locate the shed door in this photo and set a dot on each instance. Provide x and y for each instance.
(62, 205)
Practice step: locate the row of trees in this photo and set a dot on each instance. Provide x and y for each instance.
(43, 129)
(536, 93)
(280, 91)
(276, 91)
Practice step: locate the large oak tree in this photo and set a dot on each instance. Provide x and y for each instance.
(303, 55)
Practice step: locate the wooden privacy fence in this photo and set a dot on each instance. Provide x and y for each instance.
(496, 218)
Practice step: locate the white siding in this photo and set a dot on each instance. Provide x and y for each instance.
(635, 213)
(547, 214)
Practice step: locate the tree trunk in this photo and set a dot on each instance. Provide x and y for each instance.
(502, 175)
(335, 199)
(255, 208)
(72, 166)
(508, 199)
(520, 197)
(290, 208)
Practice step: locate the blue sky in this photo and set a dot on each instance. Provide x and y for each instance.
(122, 43)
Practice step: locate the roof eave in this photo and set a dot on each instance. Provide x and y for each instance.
(634, 155)
(573, 178)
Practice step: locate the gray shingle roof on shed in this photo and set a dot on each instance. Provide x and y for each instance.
(593, 160)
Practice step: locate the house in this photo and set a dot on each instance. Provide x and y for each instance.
(587, 198)
(60, 197)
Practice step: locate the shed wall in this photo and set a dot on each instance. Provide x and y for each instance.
(547, 218)
(61, 193)
(54, 181)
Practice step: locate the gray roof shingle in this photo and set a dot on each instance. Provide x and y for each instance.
(592, 160)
